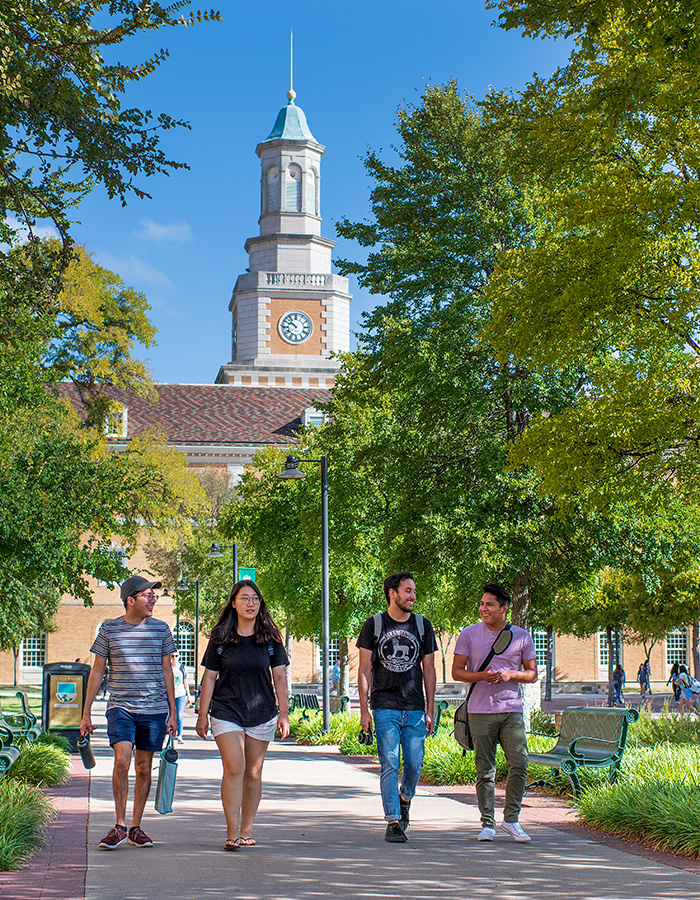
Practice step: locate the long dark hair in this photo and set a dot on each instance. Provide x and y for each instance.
(226, 629)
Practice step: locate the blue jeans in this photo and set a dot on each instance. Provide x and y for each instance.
(180, 703)
(399, 733)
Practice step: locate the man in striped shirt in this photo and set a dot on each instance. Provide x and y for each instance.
(141, 705)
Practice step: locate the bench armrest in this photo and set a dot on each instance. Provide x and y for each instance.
(574, 752)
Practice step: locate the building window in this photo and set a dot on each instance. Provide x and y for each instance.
(603, 656)
(184, 638)
(676, 648)
(117, 423)
(313, 416)
(293, 189)
(539, 636)
(33, 651)
(312, 196)
(272, 190)
(333, 652)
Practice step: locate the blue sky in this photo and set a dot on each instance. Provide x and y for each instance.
(354, 65)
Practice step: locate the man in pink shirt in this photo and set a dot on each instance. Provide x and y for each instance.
(495, 707)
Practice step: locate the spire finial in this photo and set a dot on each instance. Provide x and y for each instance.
(291, 93)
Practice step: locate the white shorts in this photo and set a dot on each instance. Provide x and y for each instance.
(264, 732)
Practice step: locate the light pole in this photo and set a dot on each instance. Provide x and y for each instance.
(215, 553)
(185, 586)
(291, 471)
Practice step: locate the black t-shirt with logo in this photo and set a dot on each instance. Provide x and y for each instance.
(243, 692)
(397, 674)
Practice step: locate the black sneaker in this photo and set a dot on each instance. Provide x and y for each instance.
(114, 839)
(138, 838)
(405, 806)
(394, 834)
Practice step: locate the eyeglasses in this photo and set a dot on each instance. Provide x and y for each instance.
(253, 600)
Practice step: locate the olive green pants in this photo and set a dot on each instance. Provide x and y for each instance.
(488, 730)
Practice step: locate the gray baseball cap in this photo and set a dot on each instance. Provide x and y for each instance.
(136, 584)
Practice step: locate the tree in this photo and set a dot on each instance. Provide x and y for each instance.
(607, 153)
(62, 125)
(441, 408)
(33, 615)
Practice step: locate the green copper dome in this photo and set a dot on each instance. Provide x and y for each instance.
(290, 125)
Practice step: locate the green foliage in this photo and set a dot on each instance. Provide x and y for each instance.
(24, 812)
(606, 151)
(343, 726)
(54, 740)
(41, 764)
(656, 800)
(665, 728)
(541, 722)
(62, 124)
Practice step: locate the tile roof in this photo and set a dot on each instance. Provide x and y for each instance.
(215, 413)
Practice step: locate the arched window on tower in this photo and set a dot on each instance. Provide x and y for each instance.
(312, 193)
(293, 189)
(272, 190)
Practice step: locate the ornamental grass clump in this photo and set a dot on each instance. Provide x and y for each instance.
(40, 764)
(24, 813)
(655, 801)
(669, 727)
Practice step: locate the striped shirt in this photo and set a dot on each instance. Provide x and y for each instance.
(135, 654)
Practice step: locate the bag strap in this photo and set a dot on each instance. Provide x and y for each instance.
(485, 663)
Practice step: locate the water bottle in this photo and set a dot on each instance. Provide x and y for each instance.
(85, 750)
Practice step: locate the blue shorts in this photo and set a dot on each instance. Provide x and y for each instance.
(146, 731)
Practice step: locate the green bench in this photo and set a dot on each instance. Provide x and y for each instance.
(590, 737)
(9, 754)
(306, 701)
(23, 724)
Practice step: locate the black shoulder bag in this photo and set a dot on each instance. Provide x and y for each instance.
(461, 727)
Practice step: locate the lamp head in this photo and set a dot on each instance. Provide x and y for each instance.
(215, 552)
(290, 469)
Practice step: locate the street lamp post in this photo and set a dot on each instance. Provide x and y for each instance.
(215, 553)
(291, 471)
(185, 586)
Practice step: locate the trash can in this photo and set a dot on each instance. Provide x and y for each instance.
(64, 689)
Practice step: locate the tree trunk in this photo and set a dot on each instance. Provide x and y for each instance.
(520, 611)
(611, 686)
(696, 649)
(344, 667)
(15, 653)
(288, 651)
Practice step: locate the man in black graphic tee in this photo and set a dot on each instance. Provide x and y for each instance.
(397, 656)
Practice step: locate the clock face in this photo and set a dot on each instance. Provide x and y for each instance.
(295, 327)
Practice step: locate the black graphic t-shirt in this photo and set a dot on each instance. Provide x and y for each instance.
(397, 675)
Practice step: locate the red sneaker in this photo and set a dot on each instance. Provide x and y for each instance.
(138, 838)
(115, 837)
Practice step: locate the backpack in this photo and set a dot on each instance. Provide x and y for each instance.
(377, 626)
(694, 685)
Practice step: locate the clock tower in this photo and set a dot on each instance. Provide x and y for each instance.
(289, 310)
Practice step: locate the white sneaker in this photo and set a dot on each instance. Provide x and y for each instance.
(516, 832)
(487, 834)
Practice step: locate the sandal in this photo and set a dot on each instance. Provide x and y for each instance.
(247, 842)
(232, 844)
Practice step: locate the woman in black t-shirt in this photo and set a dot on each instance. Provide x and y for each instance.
(244, 649)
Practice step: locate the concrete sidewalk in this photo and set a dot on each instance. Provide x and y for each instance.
(320, 834)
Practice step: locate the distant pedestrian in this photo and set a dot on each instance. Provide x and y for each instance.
(397, 658)
(141, 705)
(643, 679)
(335, 680)
(244, 658)
(673, 681)
(182, 693)
(686, 701)
(496, 708)
(618, 682)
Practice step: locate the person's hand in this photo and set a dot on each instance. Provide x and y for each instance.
(490, 675)
(429, 723)
(366, 721)
(171, 724)
(202, 726)
(283, 725)
(86, 726)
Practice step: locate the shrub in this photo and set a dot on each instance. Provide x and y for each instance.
(655, 801)
(24, 812)
(542, 722)
(56, 740)
(40, 764)
(668, 727)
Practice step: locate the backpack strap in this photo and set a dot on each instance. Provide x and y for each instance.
(377, 626)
